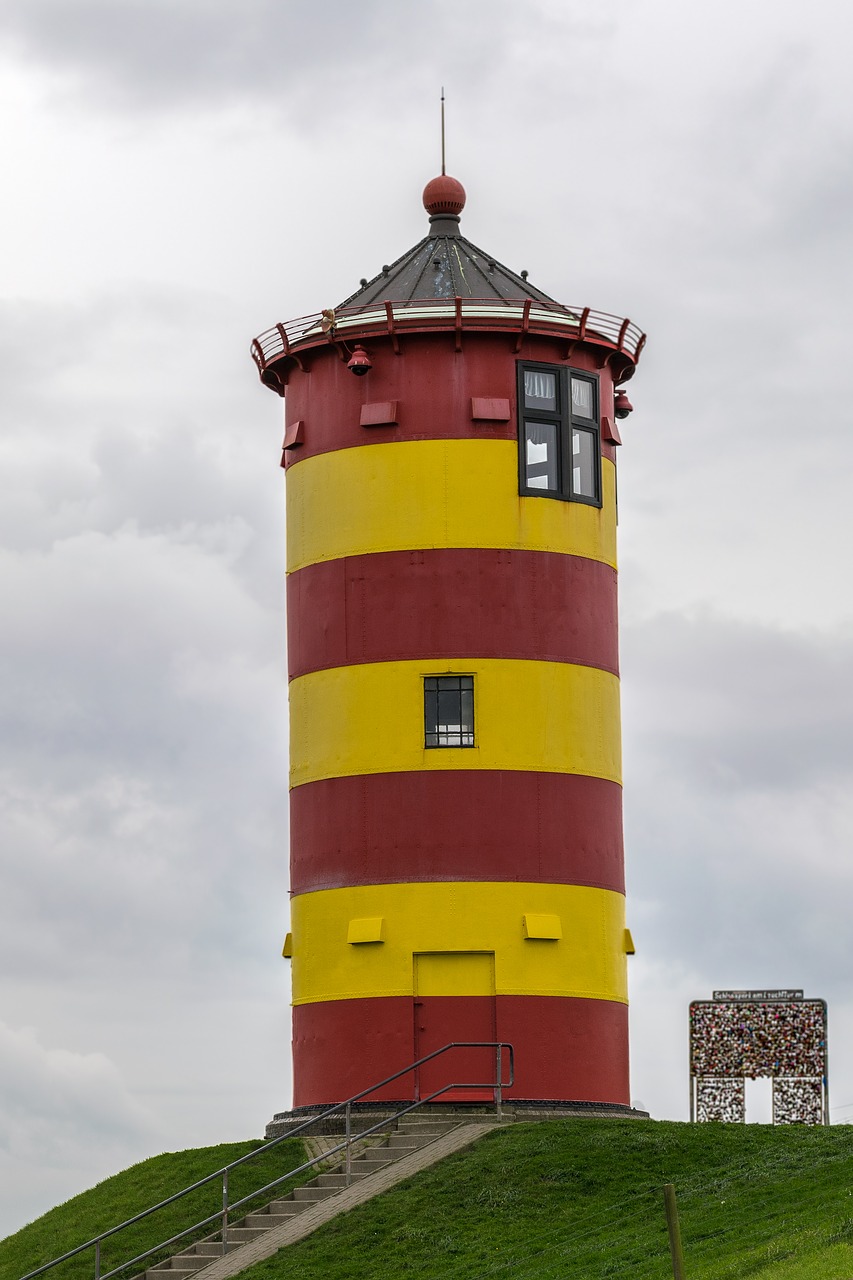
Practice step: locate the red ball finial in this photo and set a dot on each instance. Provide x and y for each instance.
(444, 195)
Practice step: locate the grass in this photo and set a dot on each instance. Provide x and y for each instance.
(574, 1200)
(580, 1200)
(128, 1193)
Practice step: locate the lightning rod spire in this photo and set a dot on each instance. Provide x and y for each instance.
(442, 130)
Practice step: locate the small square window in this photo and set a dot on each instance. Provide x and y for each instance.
(448, 711)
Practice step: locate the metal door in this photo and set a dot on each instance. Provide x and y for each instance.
(454, 1001)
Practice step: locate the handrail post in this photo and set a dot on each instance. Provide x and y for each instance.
(224, 1211)
(349, 1143)
(498, 1078)
(97, 1260)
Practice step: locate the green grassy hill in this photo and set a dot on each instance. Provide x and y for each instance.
(128, 1193)
(579, 1200)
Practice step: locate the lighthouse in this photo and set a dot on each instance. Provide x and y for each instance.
(456, 850)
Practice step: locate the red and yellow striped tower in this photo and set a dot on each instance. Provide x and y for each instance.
(456, 833)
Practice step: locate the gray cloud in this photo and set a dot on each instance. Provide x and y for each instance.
(739, 760)
(53, 1097)
(731, 704)
(57, 1107)
(315, 60)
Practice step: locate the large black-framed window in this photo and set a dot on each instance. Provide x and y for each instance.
(559, 434)
(448, 711)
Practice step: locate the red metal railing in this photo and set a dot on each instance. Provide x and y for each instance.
(531, 315)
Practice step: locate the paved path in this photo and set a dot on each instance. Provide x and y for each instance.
(362, 1190)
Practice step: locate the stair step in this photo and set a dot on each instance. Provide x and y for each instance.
(361, 1168)
(311, 1192)
(266, 1221)
(287, 1208)
(426, 1130)
(242, 1235)
(190, 1261)
(167, 1272)
(418, 1139)
(425, 1122)
(209, 1249)
(338, 1180)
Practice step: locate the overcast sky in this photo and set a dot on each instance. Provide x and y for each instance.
(181, 174)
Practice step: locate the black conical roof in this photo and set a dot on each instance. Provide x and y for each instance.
(444, 264)
(444, 280)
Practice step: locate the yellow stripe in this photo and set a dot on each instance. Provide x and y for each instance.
(550, 717)
(588, 961)
(434, 493)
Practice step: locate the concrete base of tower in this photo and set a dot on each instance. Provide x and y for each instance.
(563, 1048)
(366, 1115)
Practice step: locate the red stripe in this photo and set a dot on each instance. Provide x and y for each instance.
(433, 387)
(453, 825)
(566, 1049)
(452, 603)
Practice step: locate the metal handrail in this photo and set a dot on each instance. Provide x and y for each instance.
(480, 313)
(228, 1206)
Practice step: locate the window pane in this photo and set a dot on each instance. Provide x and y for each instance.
(430, 710)
(449, 711)
(540, 389)
(582, 401)
(467, 714)
(584, 464)
(540, 456)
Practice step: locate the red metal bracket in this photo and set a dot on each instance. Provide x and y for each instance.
(286, 351)
(274, 380)
(395, 342)
(525, 324)
(490, 408)
(381, 414)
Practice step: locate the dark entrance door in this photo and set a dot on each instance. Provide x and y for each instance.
(454, 1001)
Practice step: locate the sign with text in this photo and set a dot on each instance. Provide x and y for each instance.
(789, 994)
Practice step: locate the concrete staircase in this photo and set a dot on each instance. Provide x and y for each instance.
(409, 1134)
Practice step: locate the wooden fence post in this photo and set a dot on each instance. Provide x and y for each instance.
(674, 1232)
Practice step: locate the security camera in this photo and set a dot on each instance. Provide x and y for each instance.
(622, 405)
(359, 362)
